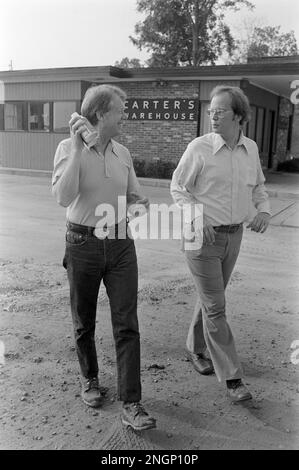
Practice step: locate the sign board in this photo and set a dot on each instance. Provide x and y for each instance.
(162, 109)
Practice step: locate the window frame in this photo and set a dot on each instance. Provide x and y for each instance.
(47, 131)
(2, 122)
(262, 134)
(77, 108)
(26, 114)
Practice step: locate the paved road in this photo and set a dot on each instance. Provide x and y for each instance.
(263, 300)
(32, 225)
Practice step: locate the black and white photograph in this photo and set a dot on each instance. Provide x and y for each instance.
(149, 222)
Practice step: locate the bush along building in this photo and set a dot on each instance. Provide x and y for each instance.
(166, 109)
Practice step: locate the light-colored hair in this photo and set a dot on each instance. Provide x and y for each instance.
(98, 98)
(239, 101)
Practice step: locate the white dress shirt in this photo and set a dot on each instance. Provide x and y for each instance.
(229, 183)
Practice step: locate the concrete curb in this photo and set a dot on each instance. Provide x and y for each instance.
(284, 194)
(159, 183)
(154, 182)
(25, 172)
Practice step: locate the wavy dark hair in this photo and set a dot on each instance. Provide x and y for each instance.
(98, 98)
(239, 101)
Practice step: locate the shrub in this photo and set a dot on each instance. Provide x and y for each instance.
(154, 168)
(160, 169)
(168, 169)
(291, 166)
(139, 167)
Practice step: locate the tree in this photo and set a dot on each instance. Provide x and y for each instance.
(269, 41)
(128, 63)
(185, 32)
(256, 40)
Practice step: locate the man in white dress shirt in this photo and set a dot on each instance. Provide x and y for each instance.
(222, 171)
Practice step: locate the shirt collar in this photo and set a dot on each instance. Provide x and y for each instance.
(219, 142)
(114, 147)
(111, 145)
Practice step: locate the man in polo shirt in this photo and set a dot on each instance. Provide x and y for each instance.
(83, 180)
(221, 171)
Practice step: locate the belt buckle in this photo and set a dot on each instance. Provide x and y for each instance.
(234, 228)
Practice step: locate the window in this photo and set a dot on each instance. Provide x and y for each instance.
(290, 130)
(260, 127)
(1, 117)
(250, 131)
(204, 118)
(15, 117)
(255, 128)
(62, 111)
(39, 116)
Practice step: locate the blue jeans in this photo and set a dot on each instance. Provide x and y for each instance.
(88, 260)
(211, 268)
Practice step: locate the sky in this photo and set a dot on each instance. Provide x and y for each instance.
(78, 33)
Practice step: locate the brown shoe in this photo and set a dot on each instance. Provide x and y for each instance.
(135, 416)
(201, 364)
(91, 394)
(238, 392)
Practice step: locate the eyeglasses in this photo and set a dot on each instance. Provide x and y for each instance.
(219, 112)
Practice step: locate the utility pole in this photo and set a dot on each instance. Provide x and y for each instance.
(10, 66)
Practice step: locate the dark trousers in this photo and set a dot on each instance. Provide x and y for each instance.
(88, 260)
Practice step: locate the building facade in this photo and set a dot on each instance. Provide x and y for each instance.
(166, 109)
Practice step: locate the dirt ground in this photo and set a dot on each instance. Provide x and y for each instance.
(40, 404)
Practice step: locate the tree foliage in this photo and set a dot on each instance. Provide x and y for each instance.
(128, 63)
(269, 41)
(257, 41)
(185, 32)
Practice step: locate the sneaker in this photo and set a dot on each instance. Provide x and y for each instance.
(237, 391)
(91, 394)
(134, 415)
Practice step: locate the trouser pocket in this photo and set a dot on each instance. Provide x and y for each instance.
(75, 238)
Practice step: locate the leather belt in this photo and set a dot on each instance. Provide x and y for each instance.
(87, 230)
(84, 229)
(227, 228)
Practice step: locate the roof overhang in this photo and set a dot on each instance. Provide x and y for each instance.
(279, 84)
(64, 74)
(274, 77)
